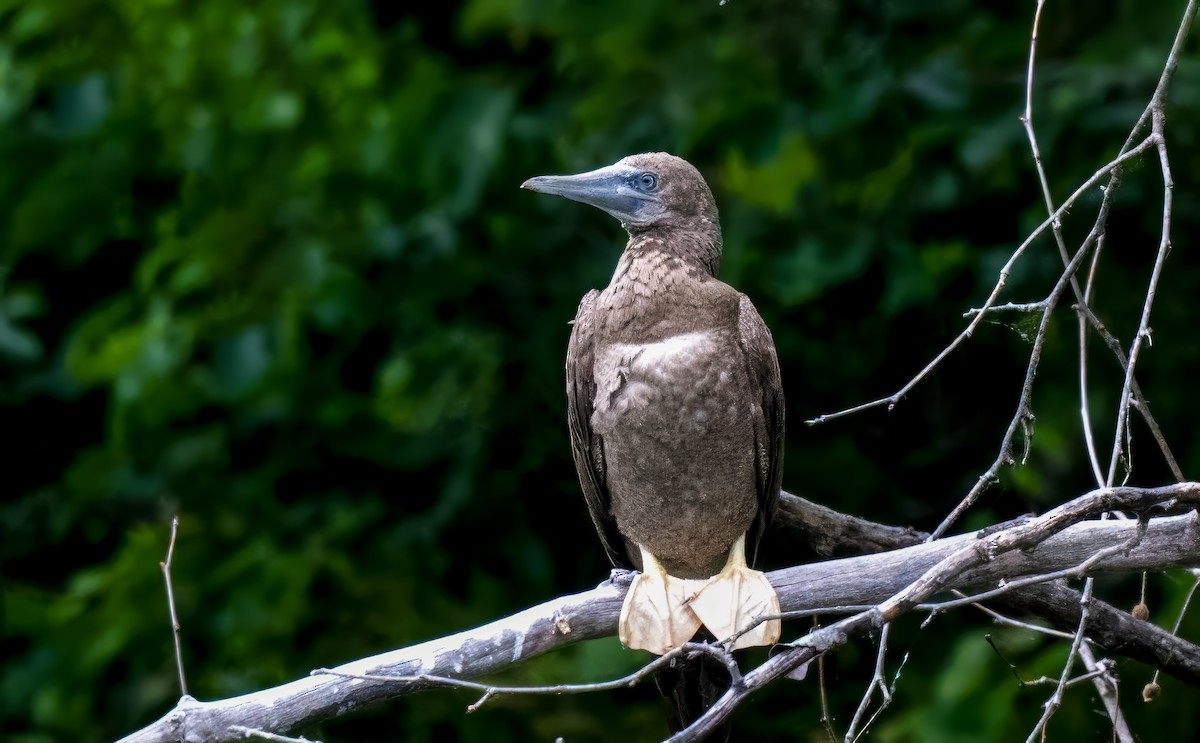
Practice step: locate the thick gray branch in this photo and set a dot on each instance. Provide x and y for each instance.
(834, 533)
(869, 579)
(968, 559)
(477, 652)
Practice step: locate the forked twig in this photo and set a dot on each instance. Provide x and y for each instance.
(878, 683)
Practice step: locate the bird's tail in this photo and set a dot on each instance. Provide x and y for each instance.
(692, 684)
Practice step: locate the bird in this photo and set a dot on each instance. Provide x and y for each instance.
(675, 411)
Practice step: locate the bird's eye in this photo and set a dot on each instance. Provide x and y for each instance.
(647, 181)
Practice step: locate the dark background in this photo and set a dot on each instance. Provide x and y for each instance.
(267, 267)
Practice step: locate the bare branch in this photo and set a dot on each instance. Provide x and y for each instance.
(1164, 248)
(1021, 418)
(830, 533)
(981, 552)
(1008, 586)
(1089, 438)
(834, 533)
(878, 682)
(826, 718)
(1105, 682)
(479, 652)
(864, 580)
(1009, 307)
(166, 571)
(1055, 700)
(1032, 533)
(1027, 120)
(1047, 681)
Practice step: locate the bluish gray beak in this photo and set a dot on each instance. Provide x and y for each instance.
(607, 188)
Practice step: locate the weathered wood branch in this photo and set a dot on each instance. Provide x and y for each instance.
(965, 560)
(476, 652)
(1167, 542)
(831, 532)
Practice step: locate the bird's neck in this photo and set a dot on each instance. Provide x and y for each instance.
(663, 282)
(694, 248)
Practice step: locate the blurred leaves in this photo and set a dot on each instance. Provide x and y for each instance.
(773, 185)
(267, 267)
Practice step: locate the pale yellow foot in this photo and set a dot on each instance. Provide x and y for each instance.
(736, 598)
(656, 615)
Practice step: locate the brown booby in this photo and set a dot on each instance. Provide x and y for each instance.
(675, 409)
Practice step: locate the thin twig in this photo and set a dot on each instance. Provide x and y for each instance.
(1020, 419)
(1089, 438)
(1006, 620)
(253, 733)
(1106, 686)
(1084, 298)
(1047, 681)
(490, 690)
(1027, 121)
(1164, 248)
(1009, 307)
(826, 718)
(1055, 700)
(166, 571)
(878, 681)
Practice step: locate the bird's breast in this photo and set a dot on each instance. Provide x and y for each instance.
(672, 383)
(676, 418)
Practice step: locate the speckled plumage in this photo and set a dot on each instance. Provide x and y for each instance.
(675, 403)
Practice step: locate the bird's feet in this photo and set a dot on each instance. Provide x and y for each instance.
(735, 599)
(662, 612)
(656, 615)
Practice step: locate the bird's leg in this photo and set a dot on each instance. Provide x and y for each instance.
(737, 597)
(656, 615)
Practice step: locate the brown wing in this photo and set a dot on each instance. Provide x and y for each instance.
(759, 349)
(587, 447)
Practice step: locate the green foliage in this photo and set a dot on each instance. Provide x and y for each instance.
(266, 266)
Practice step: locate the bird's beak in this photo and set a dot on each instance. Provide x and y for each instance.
(607, 188)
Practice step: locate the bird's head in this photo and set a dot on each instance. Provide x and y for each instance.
(653, 189)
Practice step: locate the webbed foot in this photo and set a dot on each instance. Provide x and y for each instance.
(734, 599)
(656, 615)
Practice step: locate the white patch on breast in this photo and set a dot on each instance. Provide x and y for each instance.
(651, 355)
(628, 375)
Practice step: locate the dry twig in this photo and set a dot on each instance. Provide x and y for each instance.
(166, 571)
